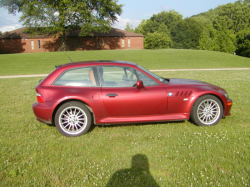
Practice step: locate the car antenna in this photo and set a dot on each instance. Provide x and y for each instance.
(68, 57)
(66, 54)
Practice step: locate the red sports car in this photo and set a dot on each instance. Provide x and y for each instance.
(77, 95)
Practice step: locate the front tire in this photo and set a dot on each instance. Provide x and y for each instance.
(206, 111)
(73, 119)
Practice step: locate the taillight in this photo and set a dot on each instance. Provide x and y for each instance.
(39, 98)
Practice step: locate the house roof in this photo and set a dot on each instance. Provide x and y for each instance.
(20, 33)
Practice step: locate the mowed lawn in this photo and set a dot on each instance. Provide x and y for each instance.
(164, 154)
(40, 63)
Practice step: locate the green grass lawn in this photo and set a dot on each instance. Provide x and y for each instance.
(174, 154)
(37, 63)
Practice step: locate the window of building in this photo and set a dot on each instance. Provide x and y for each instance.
(39, 44)
(79, 43)
(98, 43)
(123, 44)
(32, 45)
(129, 42)
(104, 43)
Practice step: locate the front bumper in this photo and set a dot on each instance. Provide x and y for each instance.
(228, 107)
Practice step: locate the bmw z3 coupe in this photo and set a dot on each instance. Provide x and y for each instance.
(76, 95)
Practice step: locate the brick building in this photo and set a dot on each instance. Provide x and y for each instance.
(17, 41)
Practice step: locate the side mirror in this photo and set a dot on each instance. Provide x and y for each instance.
(139, 85)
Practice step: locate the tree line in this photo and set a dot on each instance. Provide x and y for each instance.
(60, 17)
(225, 28)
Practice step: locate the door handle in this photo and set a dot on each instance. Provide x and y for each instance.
(112, 94)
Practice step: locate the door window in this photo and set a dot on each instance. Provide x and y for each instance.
(147, 81)
(119, 76)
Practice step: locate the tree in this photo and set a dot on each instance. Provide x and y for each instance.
(243, 43)
(62, 16)
(157, 40)
(186, 34)
(157, 35)
(169, 18)
(147, 26)
(129, 28)
(225, 38)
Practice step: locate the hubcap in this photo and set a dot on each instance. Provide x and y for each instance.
(72, 120)
(208, 111)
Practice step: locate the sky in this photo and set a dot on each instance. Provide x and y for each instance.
(134, 11)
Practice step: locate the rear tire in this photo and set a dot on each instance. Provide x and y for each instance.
(73, 119)
(206, 111)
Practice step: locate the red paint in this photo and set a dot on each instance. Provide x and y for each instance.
(168, 101)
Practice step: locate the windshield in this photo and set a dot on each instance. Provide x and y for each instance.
(152, 74)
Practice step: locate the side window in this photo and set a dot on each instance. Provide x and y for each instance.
(80, 77)
(147, 81)
(117, 76)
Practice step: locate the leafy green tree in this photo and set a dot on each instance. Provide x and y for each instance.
(186, 34)
(151, 25)
(147, 26)
(140, 28)
(129, 28)
(169, 18)
(61, 16)
(243, 43)
(163, 29)
(225, 38)
(205, 42)
(157, 40)
(157, 35)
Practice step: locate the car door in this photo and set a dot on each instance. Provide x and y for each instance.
(122, 98)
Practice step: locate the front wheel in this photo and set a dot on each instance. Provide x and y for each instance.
(206, 111)
(73, 119)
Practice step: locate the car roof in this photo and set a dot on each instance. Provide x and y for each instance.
(97, 62)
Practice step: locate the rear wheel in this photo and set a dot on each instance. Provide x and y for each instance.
(73, 119)
(206, 111)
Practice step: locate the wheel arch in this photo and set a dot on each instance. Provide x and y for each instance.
(215, 95)
(69, 100)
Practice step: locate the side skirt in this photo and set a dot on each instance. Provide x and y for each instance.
(143, 119)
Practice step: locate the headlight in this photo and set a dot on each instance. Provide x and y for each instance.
(226, 95)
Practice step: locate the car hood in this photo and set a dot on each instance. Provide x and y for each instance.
(193, 83)
(186, 82)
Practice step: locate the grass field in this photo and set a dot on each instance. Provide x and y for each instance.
(36, 63)
(165, 154)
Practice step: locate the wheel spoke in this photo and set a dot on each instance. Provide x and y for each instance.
(208, 111)
(79, 125)
(78, 113)
(73, 120)
(68, 113)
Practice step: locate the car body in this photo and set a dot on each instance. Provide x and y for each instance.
(76, 95)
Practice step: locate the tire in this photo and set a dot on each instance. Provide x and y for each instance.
(206, 111)
(73, 119)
